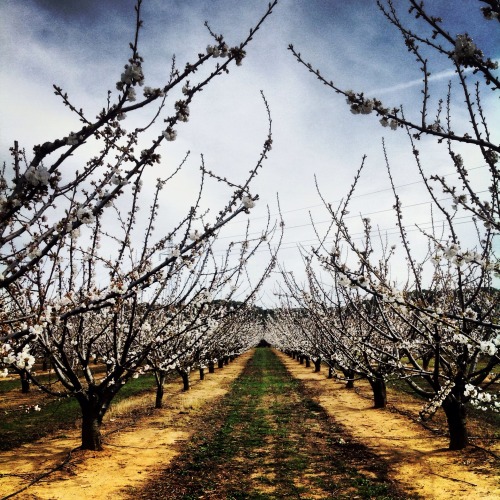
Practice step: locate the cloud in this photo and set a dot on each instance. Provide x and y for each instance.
(83, 46)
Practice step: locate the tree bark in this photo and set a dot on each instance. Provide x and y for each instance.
(211, 367)
(308, 362)
(330, 372)
(93, 410)
(456, 415)
(160, 380)
(317, 365)
(220, 363)
(301, 359)
(185, 379)
(25, 382)
(379, 392)
(202, 373)
(349, 375)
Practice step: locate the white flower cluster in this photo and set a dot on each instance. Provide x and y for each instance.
(489, 13)
(37, 176)
(118, 287)
(194, 235)
(214, 51)
(151, 92)
(482, 400)
(364, 108)
(454, 254)
(490, 347)
(459, 200)
(170, 134)
(470, 314)
(132, 75)
(385, 122)
(344, 280)
(205, 296)
(465, 49)
(435, 127)
(22, 360)
(435, 403)
(248, 202)
(182, 111)
(131, 95)
(73, 139)
(358, 105)
(85, 215)
(175, 252)
(146, 327)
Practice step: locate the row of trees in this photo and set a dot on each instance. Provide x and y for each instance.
(435, 322)
(87, 280)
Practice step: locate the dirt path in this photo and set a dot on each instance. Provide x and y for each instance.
(269, 440)
(132, 449)
(279, 434)
(418, 460)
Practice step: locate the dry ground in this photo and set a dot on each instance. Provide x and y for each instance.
(133, 449)
(418, 459)
(137, 448)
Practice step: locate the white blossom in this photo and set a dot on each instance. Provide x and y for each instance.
(248, 202)
(85, 215)
(37, 176)
(170, 134)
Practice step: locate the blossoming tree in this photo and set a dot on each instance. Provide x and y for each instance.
(442, 318)
(83, 289)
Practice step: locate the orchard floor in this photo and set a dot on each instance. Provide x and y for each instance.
(139, 450)
(134, 448)
(418, 460)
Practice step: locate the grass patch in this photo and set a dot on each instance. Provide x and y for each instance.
(26, 425)
(268, 439)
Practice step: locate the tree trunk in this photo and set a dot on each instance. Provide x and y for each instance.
(92, 412)
(301, 359)
(349, 375)
(25, 382)
(379, 392)
(317, 365)
(456, 416)
(330, 372)
(226, 360)
(220, 363)
(185, 380)
(160, 380)
(211, 367)
(202, 373)
(45, 363)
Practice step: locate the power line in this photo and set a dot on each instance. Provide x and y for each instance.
(354, 216)
(353, 197)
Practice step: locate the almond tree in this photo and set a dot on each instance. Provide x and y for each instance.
(443, 316)
(43, 200)
(84, 290)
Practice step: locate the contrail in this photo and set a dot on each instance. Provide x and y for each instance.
(414, 83)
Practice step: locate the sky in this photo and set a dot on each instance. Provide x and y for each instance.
(82, 45)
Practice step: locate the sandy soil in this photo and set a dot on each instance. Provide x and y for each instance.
(133, 448)
(136, 448)
(419, 460)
